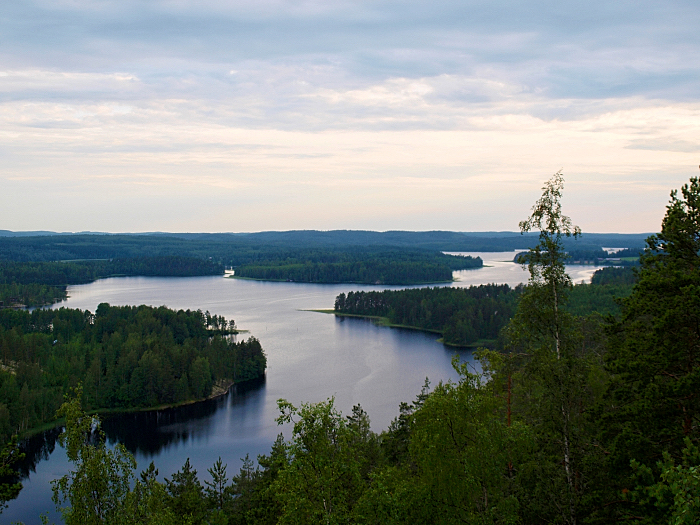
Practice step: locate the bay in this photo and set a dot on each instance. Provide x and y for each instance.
(311, 357)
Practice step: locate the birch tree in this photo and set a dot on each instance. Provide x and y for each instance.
(550, 392)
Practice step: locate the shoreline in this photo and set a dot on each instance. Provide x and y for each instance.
(218, 390)
(341, 282)
(385, 322)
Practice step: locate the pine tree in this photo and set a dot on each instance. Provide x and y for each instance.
(654, 401)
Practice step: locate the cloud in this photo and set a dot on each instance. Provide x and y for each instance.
(280, 105)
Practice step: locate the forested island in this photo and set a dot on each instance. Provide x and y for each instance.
(125, 357)
(366, 266)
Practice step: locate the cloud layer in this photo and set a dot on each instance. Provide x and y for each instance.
(208, 116)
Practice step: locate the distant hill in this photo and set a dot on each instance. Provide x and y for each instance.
(8, 233)
(92, 245)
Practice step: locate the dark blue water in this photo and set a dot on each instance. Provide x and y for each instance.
(311, 357)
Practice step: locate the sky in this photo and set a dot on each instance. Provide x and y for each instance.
(253, 115)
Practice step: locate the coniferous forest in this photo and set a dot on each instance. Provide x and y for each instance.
(475, 316)
(372, 267)
(464, 316)
(575, 418)
(124, 357)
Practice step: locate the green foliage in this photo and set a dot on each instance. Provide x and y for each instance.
(186, 495)
(9, 482)
(126, 357)
(97, 488)
(653, 404)
(217, 490)
(463, 456)
(615, 276)
(328, 456)
(258, 501)
(147, 503)
(676, 494)
(603, 300)
(391, 267)
(464, 316)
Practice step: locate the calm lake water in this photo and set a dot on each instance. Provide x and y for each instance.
(311, 357)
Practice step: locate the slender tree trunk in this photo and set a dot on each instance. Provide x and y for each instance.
(565, 416)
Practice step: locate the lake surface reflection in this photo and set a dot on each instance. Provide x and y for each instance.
(311, 357)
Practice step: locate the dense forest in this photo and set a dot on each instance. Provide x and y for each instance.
(464, 316)
(125, 358)
(20, 295)
(626, 257)
(79, 272)
(575, 419)
(615, 276)
(395, 267)
(476, 315)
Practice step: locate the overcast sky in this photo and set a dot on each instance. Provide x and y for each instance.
(250, 115)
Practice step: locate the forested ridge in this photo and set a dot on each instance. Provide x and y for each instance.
(243, 248)
(125, 357)
(575, 419)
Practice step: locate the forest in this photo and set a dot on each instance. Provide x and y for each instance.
(62, 273)
(464, 316)
(16, 295)
(475, 316)
(124, 357)
(386, 267)
(574, 419)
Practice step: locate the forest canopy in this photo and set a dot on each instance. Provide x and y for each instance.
(125, 357)
(382, 267)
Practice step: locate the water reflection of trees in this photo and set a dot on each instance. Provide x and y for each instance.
(36, 448)
(149, 432)
(143, 432)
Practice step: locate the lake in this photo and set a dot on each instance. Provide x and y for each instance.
(311, 357)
